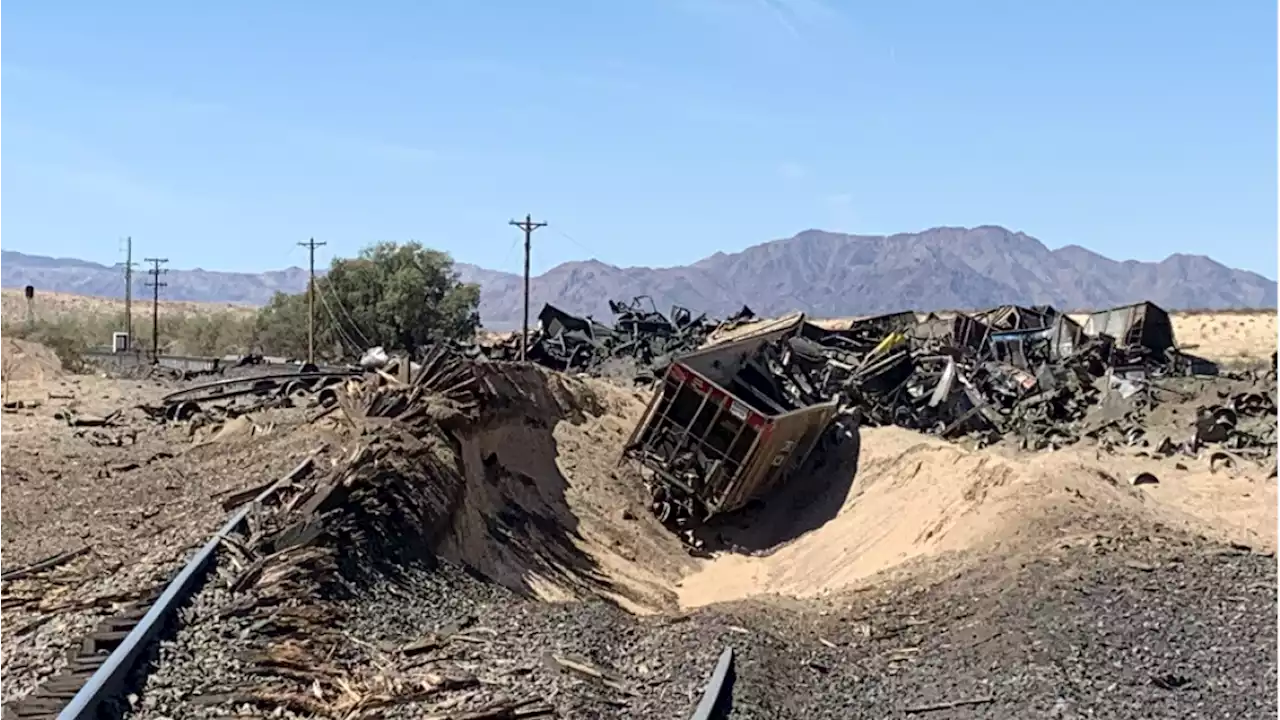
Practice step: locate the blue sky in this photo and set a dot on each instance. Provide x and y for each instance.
(646, 132)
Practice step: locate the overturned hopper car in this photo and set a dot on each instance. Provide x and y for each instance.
(720, 431)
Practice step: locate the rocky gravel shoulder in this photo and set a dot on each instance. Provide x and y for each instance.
(1116, 629)
(131, 514)
(1109, 629)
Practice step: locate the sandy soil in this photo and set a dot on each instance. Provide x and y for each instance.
(28, 363)
(1227, 337)
(917, 497)
(620, 533)
(109, 487)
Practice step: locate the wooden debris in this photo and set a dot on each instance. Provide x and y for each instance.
(426, 644)
(586, 669)
(48, 563)
(236, 499)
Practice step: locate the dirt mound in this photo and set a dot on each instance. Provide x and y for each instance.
(26, 361)
(507, 470)
(915, 498)
(545, 508)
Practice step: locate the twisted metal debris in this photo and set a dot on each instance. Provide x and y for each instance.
(731, 422)
(644, 339)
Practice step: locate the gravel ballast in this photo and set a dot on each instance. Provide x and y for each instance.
(1134, 631)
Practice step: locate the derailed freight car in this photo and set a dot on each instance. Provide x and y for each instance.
(721, 431)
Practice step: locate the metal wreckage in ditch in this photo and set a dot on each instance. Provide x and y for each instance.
(742, 406)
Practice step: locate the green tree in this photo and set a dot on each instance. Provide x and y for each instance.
(399, 296)
(281, 326)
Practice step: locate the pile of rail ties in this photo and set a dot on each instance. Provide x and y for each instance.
(1030, 375)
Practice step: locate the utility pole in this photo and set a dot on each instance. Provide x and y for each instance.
(128, 290)
(311, 246)
(155, 284)
(528, 226)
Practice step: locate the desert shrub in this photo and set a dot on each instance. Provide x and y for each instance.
(210, 334)
(67, 337)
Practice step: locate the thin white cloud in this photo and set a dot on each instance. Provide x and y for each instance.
(113, 187)
(779, 13)
(798, 19)
(810, 13)
(792, 171)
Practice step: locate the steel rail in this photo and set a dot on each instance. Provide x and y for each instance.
(109, 679)
(718, 687)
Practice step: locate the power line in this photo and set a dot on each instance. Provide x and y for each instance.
(155, 285)
(337, 300)
(311, 245)
(528, 226)
(343, 337)
(565, 235)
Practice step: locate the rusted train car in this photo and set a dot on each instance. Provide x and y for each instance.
(719, 431)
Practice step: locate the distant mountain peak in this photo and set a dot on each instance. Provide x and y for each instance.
(819, 272)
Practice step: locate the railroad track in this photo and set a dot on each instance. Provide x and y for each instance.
(717, 698)
(102, 669)
(184, 403)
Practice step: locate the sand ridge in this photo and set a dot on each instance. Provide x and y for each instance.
(916, 497)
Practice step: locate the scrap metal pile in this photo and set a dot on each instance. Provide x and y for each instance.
(1032, 375)
(641, 339)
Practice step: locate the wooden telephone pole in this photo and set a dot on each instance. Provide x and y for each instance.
(155, 284)
(528, 226)
(311, 246)
(128, 290)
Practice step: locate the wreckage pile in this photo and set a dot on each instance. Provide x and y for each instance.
(1030, 374)
(737, 410)
(735, 419)
(641, 337)
(1033, 374)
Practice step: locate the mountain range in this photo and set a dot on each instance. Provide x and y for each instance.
(822, 273)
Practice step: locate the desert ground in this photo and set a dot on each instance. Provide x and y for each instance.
(50, 306)
(1226, 336)
(912, 578)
